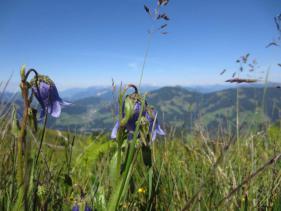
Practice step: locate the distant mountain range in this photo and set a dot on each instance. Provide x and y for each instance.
(180, 108)
(106, 91)
(184, 108)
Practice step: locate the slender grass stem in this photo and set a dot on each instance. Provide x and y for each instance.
(145, 57)
(250, 177)
(42, 138)
(237, 117)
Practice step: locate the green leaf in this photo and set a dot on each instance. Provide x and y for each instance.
(128, 110)
(146, 155)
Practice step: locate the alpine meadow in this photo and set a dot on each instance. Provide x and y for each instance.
(140, 105)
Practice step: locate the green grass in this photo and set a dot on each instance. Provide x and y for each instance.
(186, 173)
(181, 171)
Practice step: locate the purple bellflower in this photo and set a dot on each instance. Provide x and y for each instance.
(87, 208)
(131, 123)
(47, 95)
(154, 126)
(149, 114)
(76, 208)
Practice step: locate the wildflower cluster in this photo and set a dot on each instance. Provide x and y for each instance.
(46, 93)
(135, 111)
(137, 121)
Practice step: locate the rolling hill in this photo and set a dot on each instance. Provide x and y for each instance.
(181, 109)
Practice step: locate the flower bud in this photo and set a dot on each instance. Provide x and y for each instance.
(22, 73)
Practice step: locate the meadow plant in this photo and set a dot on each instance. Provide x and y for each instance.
(135, 130)
(46, 93)
(131, 109)
(133, 171)
(159, 24)
(137, 121)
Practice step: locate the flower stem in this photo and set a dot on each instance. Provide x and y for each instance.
(145, 57)
(122, 184)
(22, 136)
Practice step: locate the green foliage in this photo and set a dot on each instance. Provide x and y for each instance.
(198, 171)
(179, 169)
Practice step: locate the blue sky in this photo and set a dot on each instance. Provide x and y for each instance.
(87, 43)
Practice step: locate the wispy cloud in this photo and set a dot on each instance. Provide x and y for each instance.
(134, 66)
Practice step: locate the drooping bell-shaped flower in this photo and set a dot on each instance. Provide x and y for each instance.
(45, 91)
(130, 125)
(130, 117)
(154, 126)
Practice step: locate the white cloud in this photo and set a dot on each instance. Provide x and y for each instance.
(134, 66)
